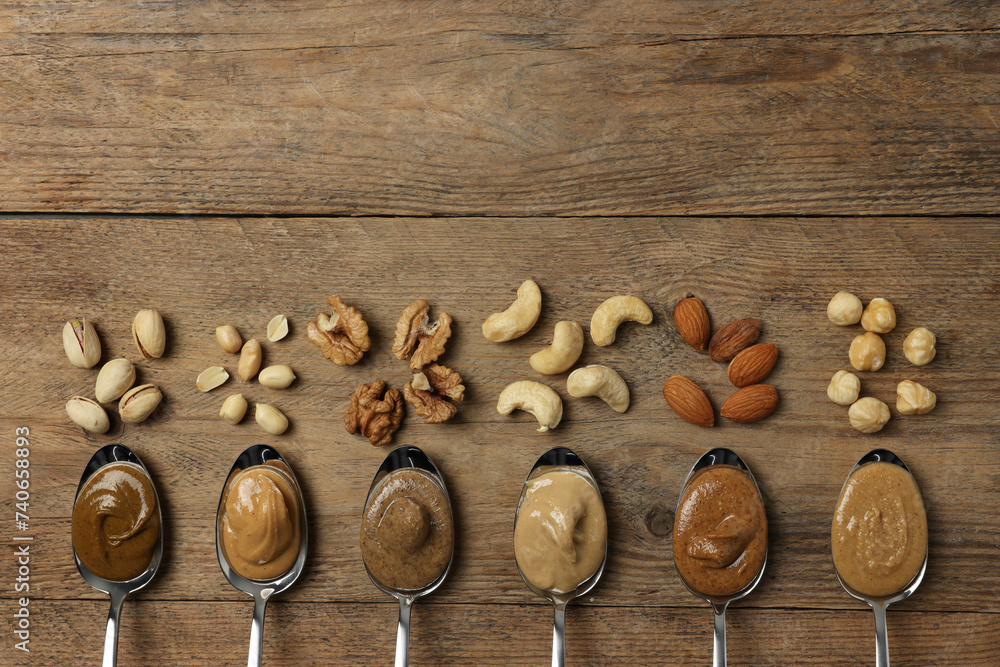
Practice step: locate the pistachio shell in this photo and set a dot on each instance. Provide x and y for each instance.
(271, 419)
(276, 377)
(233, 409)
(229, 338)
(81, 343)
(88, 414)
(116, 377)
(138, 403)
(149, 334)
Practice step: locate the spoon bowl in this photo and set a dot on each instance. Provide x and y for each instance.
(560, 458)
(260, 590)
(118, 590)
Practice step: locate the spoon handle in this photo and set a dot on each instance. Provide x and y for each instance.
(111, 632)
(881, 637)
(719, 643)
(257, 632)
(559, 636)
(403, 633)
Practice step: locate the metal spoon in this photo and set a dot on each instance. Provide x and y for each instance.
(879, 604)
(118, 590)
(560, 457)
(727, 457)
(260, 591)
(407, 456)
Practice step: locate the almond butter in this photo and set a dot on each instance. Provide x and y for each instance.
(688, 401)
(752, 364)
(692, 322)
(750, 404)
(731, 339)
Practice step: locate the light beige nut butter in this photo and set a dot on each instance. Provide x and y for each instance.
(720, 532)
(879, 534)
(561, 533)
(116, 522)
(261, 526)
(407, 532)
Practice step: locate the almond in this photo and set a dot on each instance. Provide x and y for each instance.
(752, 364)
(688, 401)
(731, 339)
(692, 322)
(751, 403)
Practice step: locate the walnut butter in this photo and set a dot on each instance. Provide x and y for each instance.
(561, 532)
(261, 526)
(879, 530)
(116, 522)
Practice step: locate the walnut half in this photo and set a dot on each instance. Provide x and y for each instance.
(377, 418)
(429, 390)
(343, 336)
(415, 330)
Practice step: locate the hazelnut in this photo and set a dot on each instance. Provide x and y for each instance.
(879, 316)
(867, 352)
(868, 414)
(913, 398)
(919, 346)
(844, 388)
(844, 309)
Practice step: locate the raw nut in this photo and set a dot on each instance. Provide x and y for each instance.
(277, 328)
(844, 388)
(250, 359)
(752, 364)
(377, 418)
(733, 338)
(610, 314)
(116, 377)
(750, 404)
(567, 345)
(138, 403)
(234, 408)
(844, 309)
(342, 337)
(519, 317)
(868, 414)
(270, 419)
(540, 400)
(913, 398)
(428, 390)
(600, 381)
(919, 346)
(415, 330)
(867, 352)
(212, 377)
(229, 338)
(692, 322)
(88, 414)
(879, 316)
(276, 377)
(149, 334)
(81, 343)
(688, 401)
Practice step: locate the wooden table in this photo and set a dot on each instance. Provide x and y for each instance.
(225, 162)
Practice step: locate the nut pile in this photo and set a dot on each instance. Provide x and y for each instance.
(868, 353)
(749, 365)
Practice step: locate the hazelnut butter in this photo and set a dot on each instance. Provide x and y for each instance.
(879, 534)
(407, 533)
(561, 532)
(261, 526)
(116, 522)
(720, 532)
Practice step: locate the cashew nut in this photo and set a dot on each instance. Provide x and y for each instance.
(613, 312)
(540, 400)
(519, 318)
(567, 344)
(599, 381)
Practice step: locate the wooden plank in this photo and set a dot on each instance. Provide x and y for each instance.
(514, 114)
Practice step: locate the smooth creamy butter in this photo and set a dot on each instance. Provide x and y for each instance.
(260, 526)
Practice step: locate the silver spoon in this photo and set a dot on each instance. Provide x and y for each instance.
(560, 457)
(879, 604)
(260, 591)
(118, 590)
(407, 456)
(727, 457)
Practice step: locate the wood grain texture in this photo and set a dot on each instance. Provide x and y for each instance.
(939, 274)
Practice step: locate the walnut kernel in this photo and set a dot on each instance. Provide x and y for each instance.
(343, 336)
(919, 346)
(868, 414)
(844, 309)
(377, 418)
(428, 390)
(879, 316)
(844, 388)
(913, 398)
(415, 330)
(867, 352)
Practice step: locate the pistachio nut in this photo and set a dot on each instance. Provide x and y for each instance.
(249, 360)
(89, 414)
(229, 338)
(116, 377)
(271, 419)
(81, 343)
(277, 328)
(276, 377)
(138, 403)
(149, 334)
(233, 409)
